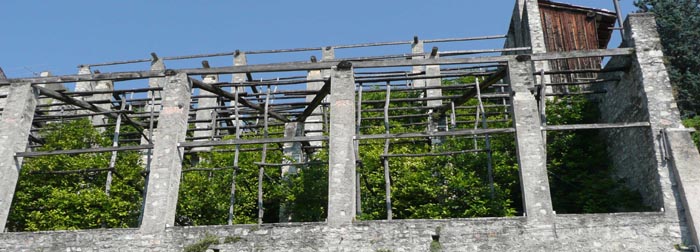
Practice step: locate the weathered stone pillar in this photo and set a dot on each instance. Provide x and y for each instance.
(15, 126)
(327, 54)
(526, 30)
(103, 85)
(418, 48)
(82, 86)
(435, 124)
(292, 154)
(292, 151)
(153, 105)
(59, 87)
(163, 182)
(341, 177)
(314, 123)
(205, 125)
(240, 59)
(530, 146)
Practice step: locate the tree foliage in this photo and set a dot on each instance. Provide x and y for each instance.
(678, 23)
(45, 200)
(429, 187)
(581, 177)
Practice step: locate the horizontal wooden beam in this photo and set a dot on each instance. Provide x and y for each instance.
(86, 105)
(582, 54)
(80, 151)
(216, 90)
(448, 153)
(438, 134)
(595, 126)
(252, 141)
(306, 66)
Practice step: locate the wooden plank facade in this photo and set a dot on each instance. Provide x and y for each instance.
(570, 28)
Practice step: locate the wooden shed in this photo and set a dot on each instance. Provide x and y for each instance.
(569, 27)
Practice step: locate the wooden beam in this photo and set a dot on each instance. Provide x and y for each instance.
(582, 54)
(470, 93)
(595, 126)
(86, 105)
(439, 134)
(80, 151)
(241, 100)
(305, 66)
(253, 141)
(318, 99)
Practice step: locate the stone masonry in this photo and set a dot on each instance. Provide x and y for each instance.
(660, 161)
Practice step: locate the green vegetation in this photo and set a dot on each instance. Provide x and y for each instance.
(678, 23)
(203, 244)
(430, 187)
(45, 200)
(581, 178)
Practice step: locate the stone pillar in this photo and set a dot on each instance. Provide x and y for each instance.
(205, 127)
(292, 154)
(530, 146)
(314, 123)
(417, 48)
(103, 85)
(341, 177)
(82, 86)
(240, 59)
(327, 54)
(526, 30)
(59, 87)
(435, 124)
(14, 133)
(163, 182)
(292, 151)
(156, 65)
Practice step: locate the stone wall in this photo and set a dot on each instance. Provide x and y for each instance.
(598, 232)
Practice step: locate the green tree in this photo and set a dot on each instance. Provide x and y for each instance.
(580, 176)
(47, 199)
(678, 22)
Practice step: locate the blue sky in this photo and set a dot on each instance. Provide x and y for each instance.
(59, 35)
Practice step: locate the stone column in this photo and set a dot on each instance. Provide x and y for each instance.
(82, 86)
(292, 154)
(314, 123)
(206, 126)
(14, 133)
(526, 30)
(327, 54)
(156, 65)
(163, 182)
(292, 151)
(240, 59)
(59, 87)
(341, 177)
(103, 85)
(435, 124)
(530, 146)
(417, 48)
